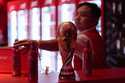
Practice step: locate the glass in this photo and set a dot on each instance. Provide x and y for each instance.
(12, 30)
(35, 24)
(22, 24)
(48, 32)
(65, 12)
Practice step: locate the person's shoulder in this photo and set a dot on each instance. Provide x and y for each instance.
(82, 39)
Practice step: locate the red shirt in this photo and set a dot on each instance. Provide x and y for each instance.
(97, 45)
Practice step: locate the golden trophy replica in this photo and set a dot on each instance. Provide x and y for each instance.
(66, 40)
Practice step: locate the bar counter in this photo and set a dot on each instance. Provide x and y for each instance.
(114, 75)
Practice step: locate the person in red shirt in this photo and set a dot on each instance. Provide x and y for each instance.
(86, 18)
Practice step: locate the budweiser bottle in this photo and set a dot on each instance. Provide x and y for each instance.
(16, 62)
(33, 63)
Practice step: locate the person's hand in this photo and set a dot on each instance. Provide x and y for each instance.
(25, 43)
(22, 43)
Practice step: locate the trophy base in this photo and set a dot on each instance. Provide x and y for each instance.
(66, 77)
(66, 81)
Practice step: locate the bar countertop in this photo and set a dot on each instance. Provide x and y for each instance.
(112, 75)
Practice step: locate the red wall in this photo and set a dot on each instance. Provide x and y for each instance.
(3, 22)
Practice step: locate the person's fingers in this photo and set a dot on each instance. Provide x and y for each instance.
(23, 49)
(22, 43)
(25, 43)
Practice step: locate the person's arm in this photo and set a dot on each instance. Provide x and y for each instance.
(51, 45)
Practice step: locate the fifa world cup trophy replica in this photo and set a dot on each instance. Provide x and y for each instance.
(66, 40)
